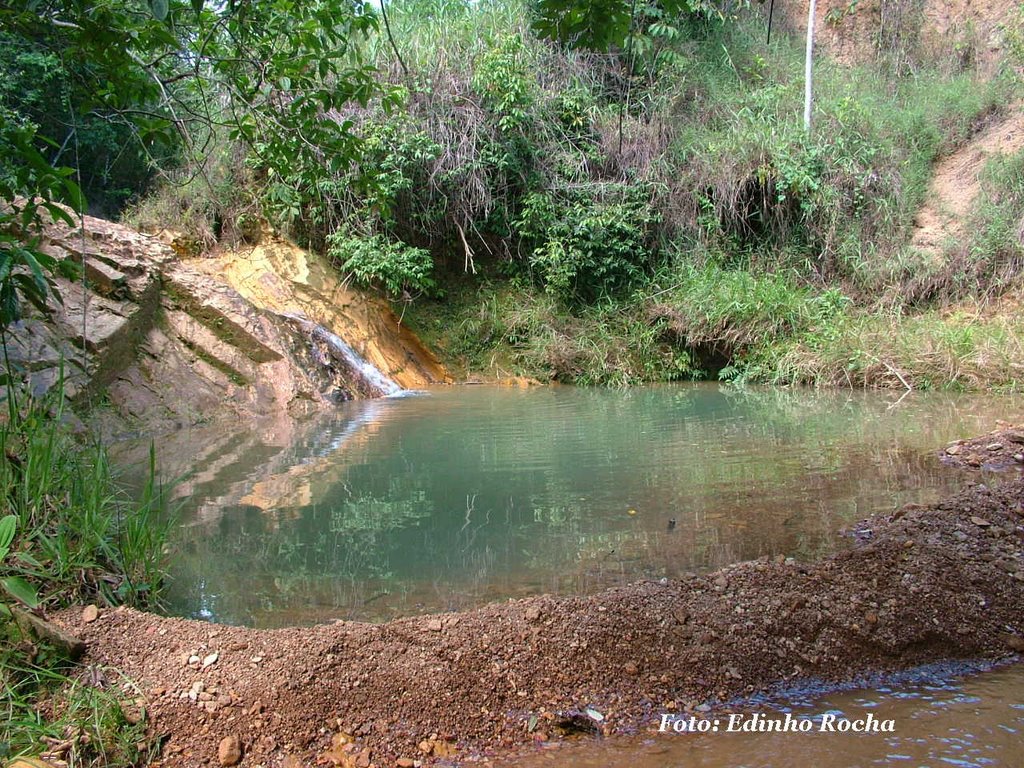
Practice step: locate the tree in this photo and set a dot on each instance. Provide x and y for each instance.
(601, 25)
(276, 73)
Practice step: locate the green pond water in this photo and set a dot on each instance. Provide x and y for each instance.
(465, 495)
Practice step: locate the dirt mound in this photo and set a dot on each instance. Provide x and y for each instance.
(921, 584)
(999, 449)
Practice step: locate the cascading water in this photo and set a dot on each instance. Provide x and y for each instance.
(341, 352)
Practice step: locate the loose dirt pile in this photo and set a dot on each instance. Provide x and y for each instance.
(922, 584)
(999, 449)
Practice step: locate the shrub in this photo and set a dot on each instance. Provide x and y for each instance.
(375, 260)
(588, 243)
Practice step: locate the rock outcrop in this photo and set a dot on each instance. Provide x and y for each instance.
(165, 341)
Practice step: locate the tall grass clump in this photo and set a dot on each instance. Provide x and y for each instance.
(76, 538)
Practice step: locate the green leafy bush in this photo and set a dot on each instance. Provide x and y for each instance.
(588, 244)
(375, 260)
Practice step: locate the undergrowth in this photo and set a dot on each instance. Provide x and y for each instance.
(656, 211)
(77, 538)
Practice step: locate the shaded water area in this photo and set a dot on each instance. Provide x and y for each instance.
(939, 720)
(466, 495)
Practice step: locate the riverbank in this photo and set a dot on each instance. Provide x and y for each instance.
(925, 583)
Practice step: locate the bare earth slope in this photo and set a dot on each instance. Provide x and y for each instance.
(956, 182)
(923, 584)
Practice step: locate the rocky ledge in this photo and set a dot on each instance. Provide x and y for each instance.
(166, 341)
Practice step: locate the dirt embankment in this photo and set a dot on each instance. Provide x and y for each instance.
(921, 584)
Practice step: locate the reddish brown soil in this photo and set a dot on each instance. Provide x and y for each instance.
(922, 584)
(999, 449)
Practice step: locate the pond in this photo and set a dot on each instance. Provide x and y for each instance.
(465, 495)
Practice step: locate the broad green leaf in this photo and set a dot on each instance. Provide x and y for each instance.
(27, 559)
(159, 9)
(21, 590)
(7, 528)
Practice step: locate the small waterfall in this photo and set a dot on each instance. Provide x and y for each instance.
(343, 353)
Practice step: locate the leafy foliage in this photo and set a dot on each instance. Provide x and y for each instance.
(276, 74)
(600, 25)
(15, 586)
(397, 268)
(589, 244)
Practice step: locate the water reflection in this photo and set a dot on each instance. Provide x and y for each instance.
(390, 507)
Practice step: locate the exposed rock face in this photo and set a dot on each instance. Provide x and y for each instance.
(170, 343)
(279, 276)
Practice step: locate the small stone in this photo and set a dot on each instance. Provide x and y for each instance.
(1014, 642)
(210, 660)
(210, 706)
(994, 447)
(193, 659)
(363, 761)
(1019, 458)
(630, 668)
(532, 613)
(443, 749)
(291, 761)
(435, 625)
(229, 751)
(404, 762)
(980, 521)
(953, 450)
(340, 740)
(89, 614)
(871, 617)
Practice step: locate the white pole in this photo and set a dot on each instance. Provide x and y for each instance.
(807, 66)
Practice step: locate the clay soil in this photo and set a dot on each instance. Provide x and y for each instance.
(921, 584)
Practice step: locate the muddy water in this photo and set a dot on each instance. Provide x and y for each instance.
(471, 494)
(938, 720)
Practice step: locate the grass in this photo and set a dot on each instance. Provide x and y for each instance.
(970, 348)
(78, 539)
(767, 254)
